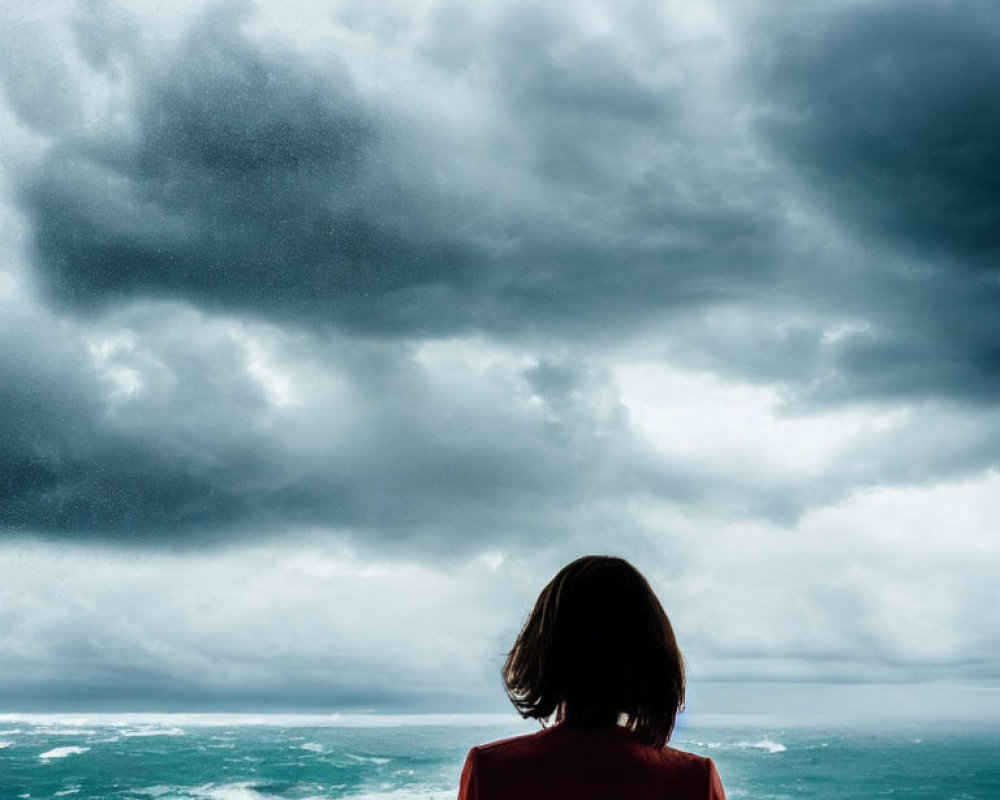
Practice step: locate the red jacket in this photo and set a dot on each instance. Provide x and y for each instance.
(562, 763)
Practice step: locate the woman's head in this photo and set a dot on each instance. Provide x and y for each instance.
(598, 644)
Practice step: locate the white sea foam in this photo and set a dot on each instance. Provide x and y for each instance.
(243, 790)
(228, 791)
(57, 730)
(312, 747)
(5, 744)
(154, 791)
(417, 792)
(150, 731)
(224, 745)
(68, 791)
(62, 752)
(369, 759)
(762, 744)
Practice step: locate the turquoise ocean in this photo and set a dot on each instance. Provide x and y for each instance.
(243, 757)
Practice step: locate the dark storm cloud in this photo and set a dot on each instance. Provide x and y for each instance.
(890, 111)
(595, 186)
(604, 188)
(887, 115)
(249, 180)
(69, 461)
(402, 307)
(245, 182)
(155, 427)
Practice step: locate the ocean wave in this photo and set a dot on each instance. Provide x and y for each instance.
(368, 759)
(250, 790)
(423, 792)
(67, 791)
(762, 744)
(154, 791)
(228, 791)
(312, 747)
(57, 730)
(244, 790)
(141, 732)
(253, 790)
(5, 744)
(62, 752)
(46, 724)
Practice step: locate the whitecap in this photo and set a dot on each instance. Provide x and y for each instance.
(62, 752)
(138, 732)
(312, 747)
(5, 745)
(228, 791)
(66, 792)
(763, 744)
(62, 731)
(369, 759)
(243, 790)
(409, 793)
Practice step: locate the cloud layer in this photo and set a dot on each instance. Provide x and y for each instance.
(425, 285)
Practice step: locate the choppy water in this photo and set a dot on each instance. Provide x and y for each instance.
(272, 758)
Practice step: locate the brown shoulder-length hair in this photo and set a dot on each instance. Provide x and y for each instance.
(597, 645)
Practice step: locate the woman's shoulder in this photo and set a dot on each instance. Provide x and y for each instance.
(681, 757)
(607, 742)
(512, 745)
(698, 772)
(559, 757)
(681, 761)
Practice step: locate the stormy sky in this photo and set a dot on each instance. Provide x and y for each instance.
(329, 331)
